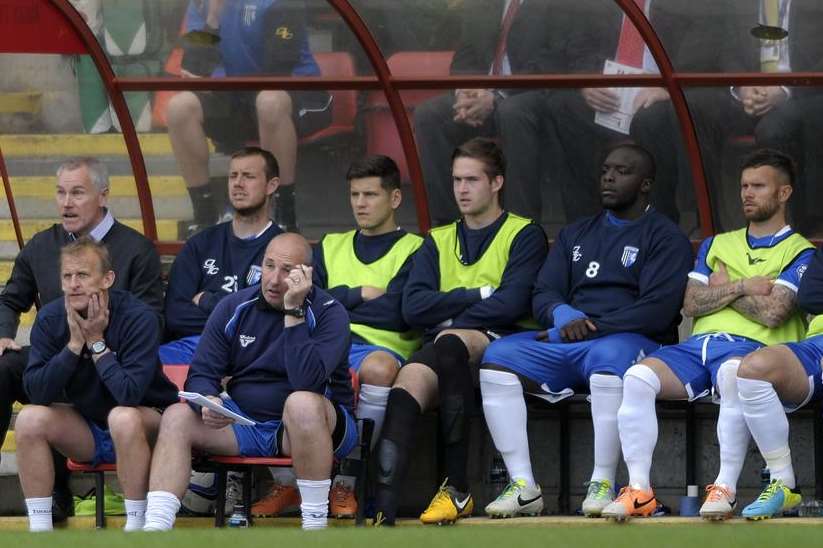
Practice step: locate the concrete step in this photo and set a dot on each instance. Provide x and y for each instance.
(69, 144)
(162, 186)
(166, 228)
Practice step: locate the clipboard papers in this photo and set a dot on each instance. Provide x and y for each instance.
(203, 401)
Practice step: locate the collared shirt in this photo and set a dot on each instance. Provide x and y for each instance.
(99, 232)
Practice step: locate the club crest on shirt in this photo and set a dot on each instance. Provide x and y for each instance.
(245, 340)
(249, 14)
(577, 253)
(801, 270)
(254, 275)
(210, 267)
(629, 256)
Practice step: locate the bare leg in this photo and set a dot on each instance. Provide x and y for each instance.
(378, 369)
(277, 132)
(309, 420)
(188, 140)
(133, 431)
(181, 429)
(37, 430)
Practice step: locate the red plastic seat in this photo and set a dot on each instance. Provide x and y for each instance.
(381, 131)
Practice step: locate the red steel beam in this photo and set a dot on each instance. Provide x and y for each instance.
(118, 101)
(678, 98)
(15, 220)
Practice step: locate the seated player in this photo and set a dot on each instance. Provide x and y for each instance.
(224, 258)
(741, 295)
(95, 350)
(470, 283)
(609, 293)
(777, 380)
(365, 270)
(252, 38)
(82, 193)
(285, 346)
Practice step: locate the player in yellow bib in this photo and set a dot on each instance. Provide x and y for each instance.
(470, 283)
(779, 379)
(742, 295)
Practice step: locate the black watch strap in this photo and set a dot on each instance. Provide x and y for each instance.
(297, 312)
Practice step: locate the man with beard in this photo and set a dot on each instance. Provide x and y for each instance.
(608, 294)
(742, 295)
(224, 258)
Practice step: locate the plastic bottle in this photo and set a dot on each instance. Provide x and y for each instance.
(238, 517)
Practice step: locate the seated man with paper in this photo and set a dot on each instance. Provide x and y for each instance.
(285, 346)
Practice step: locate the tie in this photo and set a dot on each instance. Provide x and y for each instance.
(770, 57)
(630, 45)
(505, 27)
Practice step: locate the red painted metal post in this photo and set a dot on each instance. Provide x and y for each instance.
(15, 220)
(121, 109)
(395, 101)
(678, 98)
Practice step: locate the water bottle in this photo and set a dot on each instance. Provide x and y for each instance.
(498, 475)
(238, 517)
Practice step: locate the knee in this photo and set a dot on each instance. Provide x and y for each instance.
(642, 373)
(184, 108)
(178, 420)
(273, 106)
(32, 423)
(125, 422)
(757, 366)
(304, 411)
(727, 378)
(378, 369)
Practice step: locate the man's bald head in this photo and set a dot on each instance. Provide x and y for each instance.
(284, 253)
(293, 245)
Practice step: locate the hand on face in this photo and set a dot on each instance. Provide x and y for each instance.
(76, 338)
(299, 283)
(97, 318)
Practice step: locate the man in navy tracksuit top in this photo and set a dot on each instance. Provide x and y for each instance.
(609, 293)
(470, 283)
(285, 346)
(221, 259)
(96, 350)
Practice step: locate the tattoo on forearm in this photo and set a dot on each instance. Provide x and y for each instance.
(771, 310)
(701, 300)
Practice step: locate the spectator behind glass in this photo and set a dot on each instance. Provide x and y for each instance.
(498, 37)
(249, 38)
(82, 196)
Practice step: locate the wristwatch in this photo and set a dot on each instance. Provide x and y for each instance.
(98, 347)
(297, 312)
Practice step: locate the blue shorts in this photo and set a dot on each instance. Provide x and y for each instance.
(103, 445)
(179, 352)
(263, 439)
(696, 360)
(358, 353)
(562, 368)
(810, 353)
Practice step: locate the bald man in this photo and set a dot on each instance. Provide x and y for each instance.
(285, 346)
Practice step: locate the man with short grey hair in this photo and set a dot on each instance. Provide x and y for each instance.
(82, 193)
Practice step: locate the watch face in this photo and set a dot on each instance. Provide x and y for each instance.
(98, 347)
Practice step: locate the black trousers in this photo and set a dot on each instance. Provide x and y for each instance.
(518, 120)
(12, 365)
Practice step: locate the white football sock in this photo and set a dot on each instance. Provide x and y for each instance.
(637, 423)
(161, 511)
(314, 503)
(606, 396)
(732, 433)
(135, 515)
(505, 409)
(769, 425)
(371, 404)
(39, 510)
